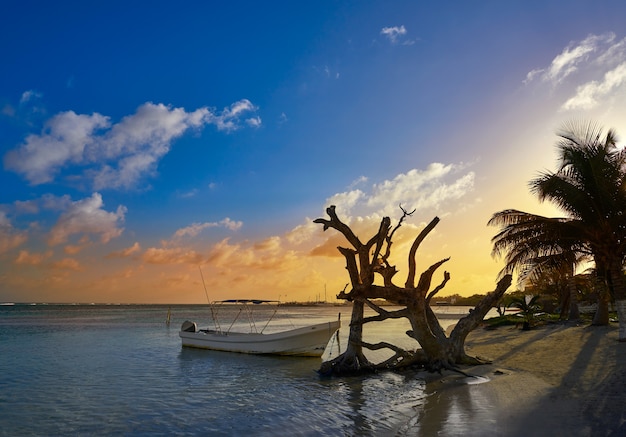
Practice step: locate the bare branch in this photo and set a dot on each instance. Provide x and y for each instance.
(389, 239)
(337, 224)
(471, 321)
(380, 237)
(410, 280)
(384, 345)
(446, 278)
(387, 272)
(384, 314)
(424, 282)
(351, 266)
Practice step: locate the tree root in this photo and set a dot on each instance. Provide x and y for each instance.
(346, 365)
(350, 365)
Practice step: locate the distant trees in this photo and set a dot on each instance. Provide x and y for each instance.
(590, 187)
(457, 299)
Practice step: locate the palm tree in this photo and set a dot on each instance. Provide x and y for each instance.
(590, 187)
(538, 246)
(559, 273)
(528, 308)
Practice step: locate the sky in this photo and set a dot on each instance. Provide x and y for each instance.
(161, 152)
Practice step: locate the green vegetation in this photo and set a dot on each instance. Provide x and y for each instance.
(528, 307)
(590, 188)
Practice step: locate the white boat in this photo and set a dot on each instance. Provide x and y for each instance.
(308, 341)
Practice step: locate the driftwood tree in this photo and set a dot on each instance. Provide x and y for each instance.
(366, 260)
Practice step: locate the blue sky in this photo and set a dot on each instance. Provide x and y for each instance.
(141, 140)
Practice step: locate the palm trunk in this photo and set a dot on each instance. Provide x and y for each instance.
(601, 317)
(619, 294)
(574, 314)
(565, 303)
(620, 305)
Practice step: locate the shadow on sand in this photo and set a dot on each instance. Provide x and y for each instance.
(585, 403)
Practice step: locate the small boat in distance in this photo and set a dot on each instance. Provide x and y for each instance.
(308, 341)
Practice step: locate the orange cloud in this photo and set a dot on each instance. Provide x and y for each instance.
(124, 253)
(155, 255)
(34, 259)
(66, 264)
(9, 237)
(87, 216)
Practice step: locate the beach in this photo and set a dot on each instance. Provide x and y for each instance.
(554, 380)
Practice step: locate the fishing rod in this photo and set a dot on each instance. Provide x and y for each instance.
(206, 293)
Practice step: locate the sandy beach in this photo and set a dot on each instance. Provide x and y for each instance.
(554, 380)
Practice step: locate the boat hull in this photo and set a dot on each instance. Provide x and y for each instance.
(309, 341)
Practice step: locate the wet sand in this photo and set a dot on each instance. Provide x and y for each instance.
(555, 380)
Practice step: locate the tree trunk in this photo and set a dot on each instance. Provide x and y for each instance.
(353, 360)
(620, 305)
(574, 314)
(601, 317)
(471, 322)
(565, 303)
(619, 294)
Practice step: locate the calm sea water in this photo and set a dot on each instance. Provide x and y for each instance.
(119, 370)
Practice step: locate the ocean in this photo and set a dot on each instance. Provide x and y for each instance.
(82, 370)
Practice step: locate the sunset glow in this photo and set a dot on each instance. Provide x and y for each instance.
(144, 142)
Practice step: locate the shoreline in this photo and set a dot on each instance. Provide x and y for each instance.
(554, 380)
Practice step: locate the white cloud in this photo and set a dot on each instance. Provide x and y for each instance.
(346, 201)
(230, 224)
(595, 69)
(393, 33)
(302, 233)
(358, 181)
(419, 189)
(426, 189)
(567, 62)
(189, 194)
(87, 216)
(114, 155)
(29, 95)
(62, 142)
(26, 207)
(229, 118)
(589, 95)
(194, 229)
(254, 121)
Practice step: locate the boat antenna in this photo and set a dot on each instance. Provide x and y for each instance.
(206, 293)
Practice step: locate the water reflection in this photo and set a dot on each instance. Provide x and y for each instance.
(264, 393)
(455, 406)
